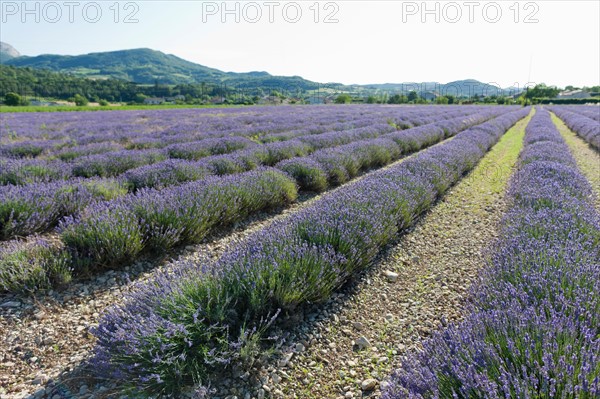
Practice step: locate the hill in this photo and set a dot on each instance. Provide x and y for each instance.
(146, 66)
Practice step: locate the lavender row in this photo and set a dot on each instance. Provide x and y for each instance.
(58, 134)
(109, 233)
(584, 126)
(591, 111)
(37, 208)
(534, 316)
(198, 317)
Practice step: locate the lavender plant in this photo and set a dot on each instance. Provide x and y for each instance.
(308, 173)
(105, 235)
(187, 213)
(113, 164)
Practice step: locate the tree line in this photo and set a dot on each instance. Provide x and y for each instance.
(40, 83)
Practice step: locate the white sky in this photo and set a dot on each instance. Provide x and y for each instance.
(371, 42)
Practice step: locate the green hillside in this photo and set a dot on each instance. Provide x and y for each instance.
(146, 66)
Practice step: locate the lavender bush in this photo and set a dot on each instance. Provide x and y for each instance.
(187, 213)
(105, 235)
(196, 318)
(23, 149)
(308, 173)
(71, 152)
(164, 174)
(28, 210)
(27, 266)
(533, 318)
(204, 148)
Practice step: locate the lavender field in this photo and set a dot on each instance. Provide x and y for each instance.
(190, 252)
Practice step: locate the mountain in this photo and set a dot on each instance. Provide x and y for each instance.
(7, 52)
(458, 88)
(148, 66)
(472, 87)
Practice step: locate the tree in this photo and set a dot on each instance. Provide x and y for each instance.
(441, 100)
(371, 100)
(501, 100)
(397, 99)
(12, 99)
(139, 98)
(412, 96)
(541, 91)
(80, 100)
(451, 98)
(343, 99)
(103, 103)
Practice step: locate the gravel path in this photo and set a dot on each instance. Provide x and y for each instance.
(587, 158)
(346, 348)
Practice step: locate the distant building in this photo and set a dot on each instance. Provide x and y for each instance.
(269, 100)
(428, 95)
(43, 103)
(178, 97)
(315, 99)
(574, 94)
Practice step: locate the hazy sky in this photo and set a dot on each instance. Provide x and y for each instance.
(504, 42)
